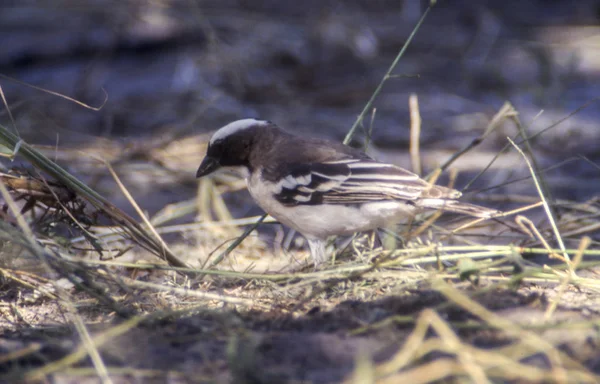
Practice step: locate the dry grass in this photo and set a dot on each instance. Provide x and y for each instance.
(459, 300)
(89, 292)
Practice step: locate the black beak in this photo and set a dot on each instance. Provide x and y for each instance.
(208, 166)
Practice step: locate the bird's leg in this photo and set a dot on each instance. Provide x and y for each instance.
(317, 250)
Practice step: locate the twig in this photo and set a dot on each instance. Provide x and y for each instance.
(415, 133)
(58, 94)
(387, 75)
(546, 206)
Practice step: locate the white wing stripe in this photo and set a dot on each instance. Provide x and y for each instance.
(327, 186)
(291, 182)
(304, 179)
(369, 165)
(288, 182)
(381, 184)
(302, 199)
(344, 161)
(331, 177)
(376, 177)
(380, 189)
(349, 181)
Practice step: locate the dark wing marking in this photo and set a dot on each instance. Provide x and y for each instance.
(307, 183)
(353, 181)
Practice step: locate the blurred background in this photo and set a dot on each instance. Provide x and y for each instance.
(175, 70)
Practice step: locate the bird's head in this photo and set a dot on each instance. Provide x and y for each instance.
(231, 145)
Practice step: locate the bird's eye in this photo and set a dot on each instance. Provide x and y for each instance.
(216, 147)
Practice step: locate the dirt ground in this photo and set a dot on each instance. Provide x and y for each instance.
(496, 302)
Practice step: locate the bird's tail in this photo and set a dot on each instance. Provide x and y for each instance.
(458, 207)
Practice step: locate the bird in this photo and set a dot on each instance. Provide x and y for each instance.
(323, 188)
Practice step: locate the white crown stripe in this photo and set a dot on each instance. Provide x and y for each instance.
(234, 127)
